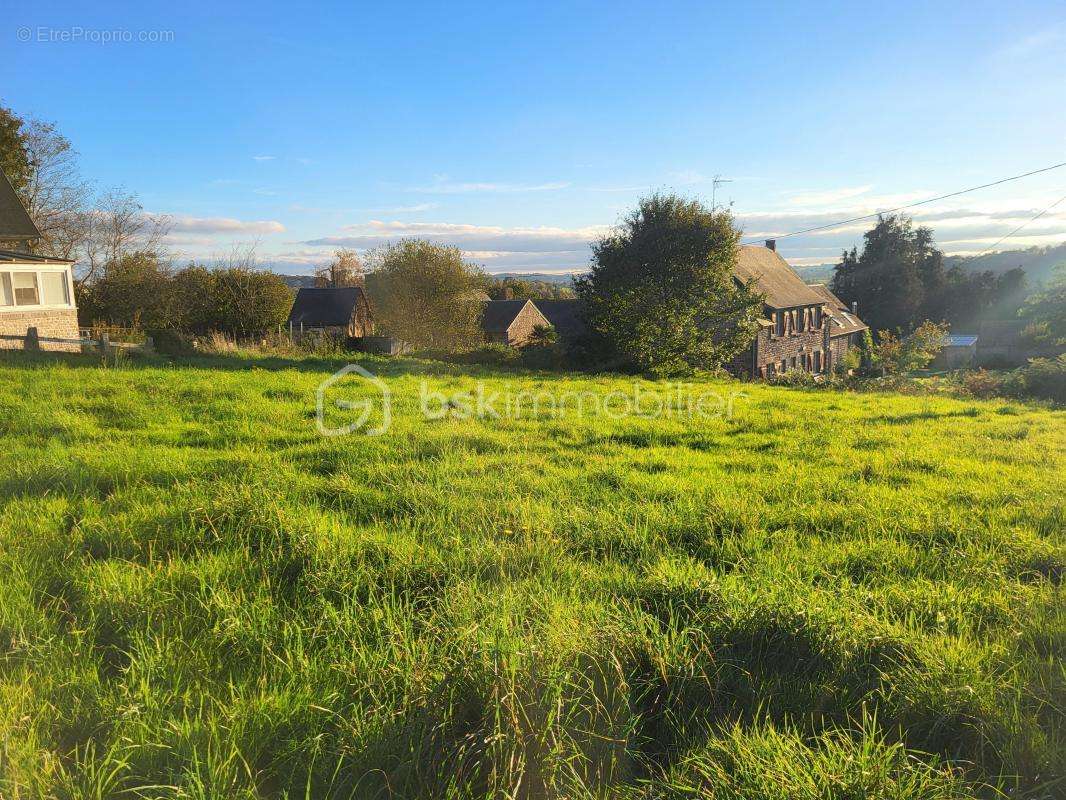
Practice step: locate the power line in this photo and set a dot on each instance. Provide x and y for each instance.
(919, 203)
(987, 250)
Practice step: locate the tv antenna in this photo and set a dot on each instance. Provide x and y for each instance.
(717, 181)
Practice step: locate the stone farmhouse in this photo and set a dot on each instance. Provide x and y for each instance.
(36, 292)
(803, 327)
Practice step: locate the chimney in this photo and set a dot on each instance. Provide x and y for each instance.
(855, 307)
(771, 244)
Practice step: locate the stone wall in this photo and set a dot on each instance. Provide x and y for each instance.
(61, 323)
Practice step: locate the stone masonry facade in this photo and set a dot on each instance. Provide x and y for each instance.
(59, 323)
(801, 346)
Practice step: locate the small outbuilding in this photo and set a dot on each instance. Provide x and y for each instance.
(338, 310)
(511, 321)
(958, 351)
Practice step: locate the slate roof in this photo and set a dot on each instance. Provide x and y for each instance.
(15, 223)
(842, 320)
(499, 314)
(959, 340)
(564, 315)
(774, 278)
(326, 307)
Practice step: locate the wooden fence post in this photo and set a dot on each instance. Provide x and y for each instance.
(33, 341)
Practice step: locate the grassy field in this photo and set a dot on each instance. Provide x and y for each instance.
(823, 595)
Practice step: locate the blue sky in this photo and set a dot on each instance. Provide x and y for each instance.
(519, 131)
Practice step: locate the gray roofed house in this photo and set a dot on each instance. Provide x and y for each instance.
(511, 321)
(36, 292)
(339, 309)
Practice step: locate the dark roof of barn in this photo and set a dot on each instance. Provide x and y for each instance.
(500, 314)
(564, 315)
(15, 223)
(774, 278)
(326, 307)
(842, 319)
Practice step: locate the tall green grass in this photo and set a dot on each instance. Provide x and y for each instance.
(827, 595)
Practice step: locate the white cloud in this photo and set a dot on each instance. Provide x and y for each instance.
(264, 158)
(498, 248)
(442, 184)
(213, 226)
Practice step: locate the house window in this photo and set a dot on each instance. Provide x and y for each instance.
(802, 319)
(779, 323)
(38, 288)
(54, 289)
(784, 365)
(794, 362)
(818, 361)
(818, 318)
(25, 286)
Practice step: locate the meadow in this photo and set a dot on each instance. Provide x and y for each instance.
(819, 595)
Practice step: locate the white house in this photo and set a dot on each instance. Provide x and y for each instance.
(35, 291)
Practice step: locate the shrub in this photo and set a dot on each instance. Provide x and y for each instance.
(1043, 378)
(913, 352)
(171, 342)
(794, 377)
(982, 383)
(493, 353)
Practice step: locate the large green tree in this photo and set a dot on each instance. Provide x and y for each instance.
(899, 280)
(661, 290)
(425, 295)
(894, 277)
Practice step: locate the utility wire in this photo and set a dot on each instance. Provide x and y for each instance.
(919, 203)
(987, 250)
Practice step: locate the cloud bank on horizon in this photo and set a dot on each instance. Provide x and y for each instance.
(962, 227)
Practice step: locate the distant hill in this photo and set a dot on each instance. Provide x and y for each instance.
(547, 277)
(1038, 263)
(298, 281)
(816, 273)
